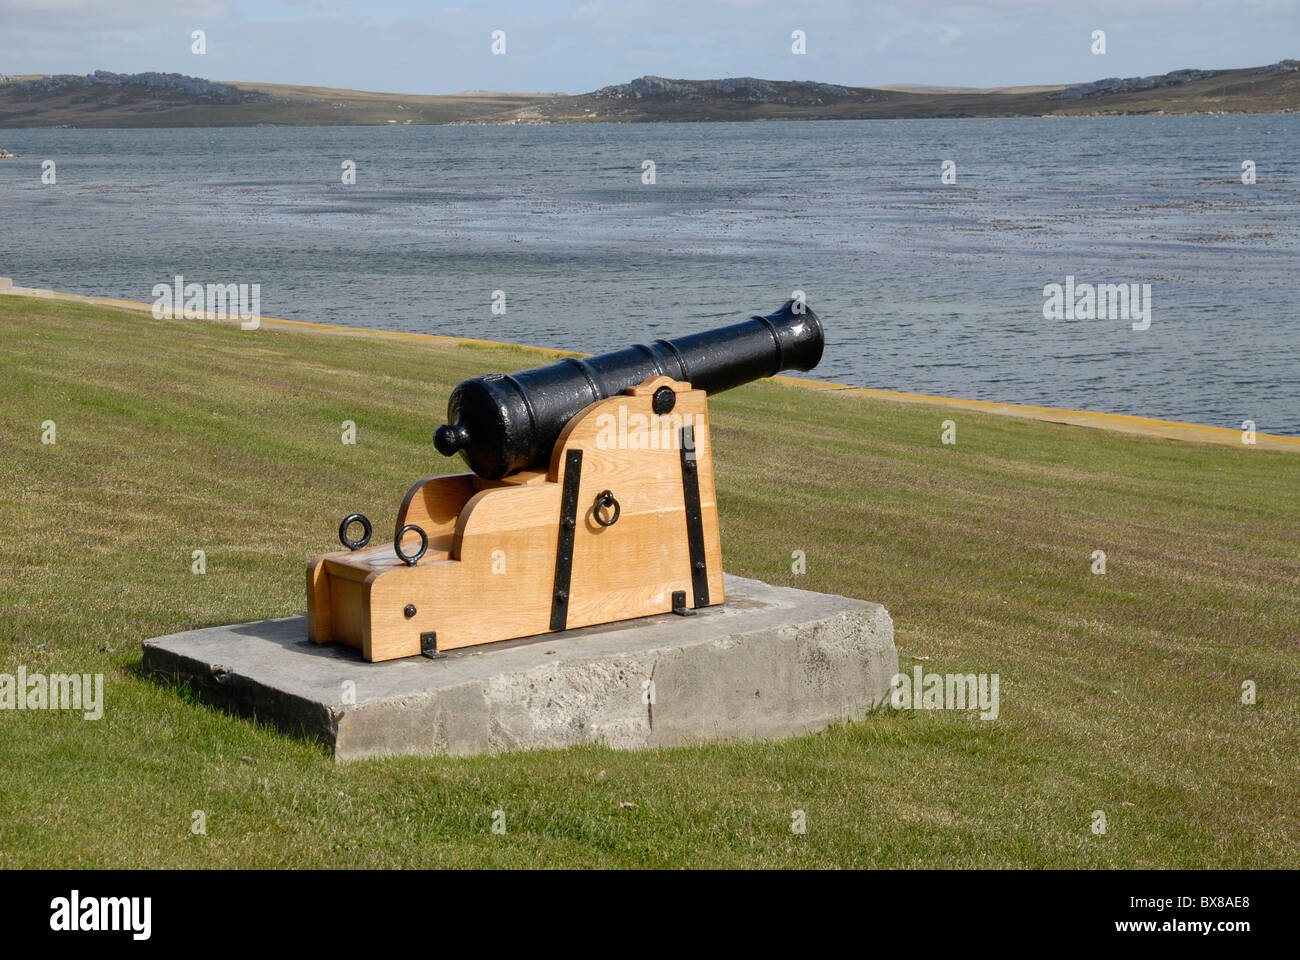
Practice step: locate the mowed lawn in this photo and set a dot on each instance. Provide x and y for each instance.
(1120, 693)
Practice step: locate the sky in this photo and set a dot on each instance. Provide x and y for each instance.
(574, 46)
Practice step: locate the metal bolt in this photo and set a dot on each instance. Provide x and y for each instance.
(664, 400)
(409, 610)
(562, 596)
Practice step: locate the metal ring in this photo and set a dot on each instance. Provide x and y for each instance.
(350, 519)
(408, 559)
(606, 499)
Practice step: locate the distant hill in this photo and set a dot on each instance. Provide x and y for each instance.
(103, 99)
(1269, 89)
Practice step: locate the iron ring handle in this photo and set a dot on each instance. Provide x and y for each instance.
(606, 499)
(406, 558)
(350, 519)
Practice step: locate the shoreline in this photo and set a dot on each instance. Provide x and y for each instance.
(644, 121)
(1114, 422)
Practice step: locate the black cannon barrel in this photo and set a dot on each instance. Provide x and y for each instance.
(503, 423)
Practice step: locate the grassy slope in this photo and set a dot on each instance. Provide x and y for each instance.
(1119, 692)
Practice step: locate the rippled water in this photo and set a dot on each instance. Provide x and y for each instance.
(923, 287)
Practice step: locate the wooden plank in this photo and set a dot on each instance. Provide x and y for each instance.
(434, 503)
(318, 602)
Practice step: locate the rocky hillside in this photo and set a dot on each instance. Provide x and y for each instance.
(1253, 90)
(740, 89)
(104, 99)
(109, 89)
(1177, 78)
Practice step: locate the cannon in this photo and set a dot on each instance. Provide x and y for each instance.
(506, 423)
(590, 499)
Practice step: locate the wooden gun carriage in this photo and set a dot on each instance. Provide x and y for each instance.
(591, 500)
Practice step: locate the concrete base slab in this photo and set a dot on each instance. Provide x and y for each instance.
(771, 662)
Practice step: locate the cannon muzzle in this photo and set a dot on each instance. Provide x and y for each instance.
(504, 423)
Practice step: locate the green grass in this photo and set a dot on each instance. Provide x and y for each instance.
(1119, 693)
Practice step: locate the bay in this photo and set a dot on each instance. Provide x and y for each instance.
(924, 287)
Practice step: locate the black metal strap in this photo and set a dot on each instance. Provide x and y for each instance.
(564, 547)
(694, 518)
(429, 646)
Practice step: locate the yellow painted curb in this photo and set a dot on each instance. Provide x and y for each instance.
(1117, 422)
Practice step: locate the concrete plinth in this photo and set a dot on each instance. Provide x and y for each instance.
(771, 662)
